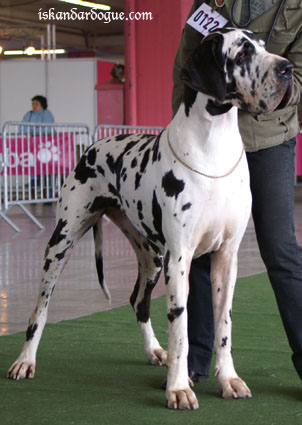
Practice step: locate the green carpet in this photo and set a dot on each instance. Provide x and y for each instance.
(93, 371)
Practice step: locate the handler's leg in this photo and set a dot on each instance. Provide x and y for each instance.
(272, 185)
(200, 317)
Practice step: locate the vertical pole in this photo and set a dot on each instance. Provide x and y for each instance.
(130, 66)
(54, 41)
(42, 47)
(48, 42)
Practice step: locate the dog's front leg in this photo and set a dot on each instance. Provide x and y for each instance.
(178, 392)
(223, 277)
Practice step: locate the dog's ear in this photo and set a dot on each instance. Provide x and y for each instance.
(203, 71)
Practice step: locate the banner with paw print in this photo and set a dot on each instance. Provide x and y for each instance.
(47, 155)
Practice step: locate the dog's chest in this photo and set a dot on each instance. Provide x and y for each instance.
(164, 199)
(218, 214)
(222, 217)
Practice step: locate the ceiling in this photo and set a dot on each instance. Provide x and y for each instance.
(20, 26)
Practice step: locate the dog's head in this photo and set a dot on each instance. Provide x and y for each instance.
(233, 67)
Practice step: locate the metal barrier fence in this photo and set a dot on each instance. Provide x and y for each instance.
(102, 131)
(35, 160)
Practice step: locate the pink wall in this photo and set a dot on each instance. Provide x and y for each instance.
(110, 96)
(150, 48)
(103, 71)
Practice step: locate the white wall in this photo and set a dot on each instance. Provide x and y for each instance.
(68, 85)
(19, 82)
(71, 90)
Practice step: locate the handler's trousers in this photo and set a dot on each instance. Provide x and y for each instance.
(272, 173)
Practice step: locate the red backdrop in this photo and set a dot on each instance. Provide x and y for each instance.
(150, 48)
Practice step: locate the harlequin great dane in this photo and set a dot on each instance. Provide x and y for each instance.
(175, 196)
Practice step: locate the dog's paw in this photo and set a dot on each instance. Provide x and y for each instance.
(234, 388)
(21, 370)
(158, 357)
(182, 399)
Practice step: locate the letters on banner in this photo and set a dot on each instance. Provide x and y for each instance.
(41, 156)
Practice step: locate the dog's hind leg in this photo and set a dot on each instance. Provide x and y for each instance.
(223, 277)
(150, 263)
(149, 268)
(58, 250)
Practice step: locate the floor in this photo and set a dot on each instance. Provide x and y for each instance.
(77, 292)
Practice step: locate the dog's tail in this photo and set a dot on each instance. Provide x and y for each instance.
(98, 244)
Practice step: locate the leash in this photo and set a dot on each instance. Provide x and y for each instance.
(281, 6)
(199, 172)
(245, 24)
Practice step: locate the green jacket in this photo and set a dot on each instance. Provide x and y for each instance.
(264, 130)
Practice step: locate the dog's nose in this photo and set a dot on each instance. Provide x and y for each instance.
(285, 70)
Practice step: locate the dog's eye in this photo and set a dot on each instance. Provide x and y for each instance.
(243, 56)
(246, 52)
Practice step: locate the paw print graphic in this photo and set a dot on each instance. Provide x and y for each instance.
(47, 153)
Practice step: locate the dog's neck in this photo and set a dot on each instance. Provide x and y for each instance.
(203, 137)
(214, 107)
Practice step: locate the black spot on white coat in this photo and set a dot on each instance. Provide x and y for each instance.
(134, 163)
(103, 202)
(91, 156)
(186, 206)
(145, 161)
(174, 313)
(224, 341)
(122, 136)
(166, 267)
(31, 330)
(61, 255)
(171, 185)
(230, 314)
(140, 209)
(100, 170)
(57, 235)
(157, 218)
(83, 172)
(47, 264)
(138, 177)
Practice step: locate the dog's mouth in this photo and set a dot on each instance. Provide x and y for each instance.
(287, 96)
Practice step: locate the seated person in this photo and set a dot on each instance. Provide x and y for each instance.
(38, 114)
